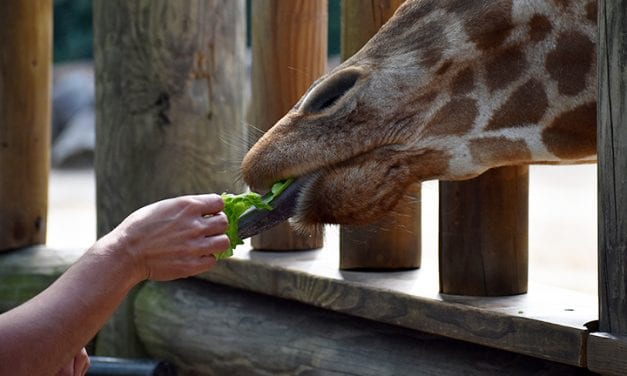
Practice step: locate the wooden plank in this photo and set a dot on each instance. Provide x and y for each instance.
(612, 156)
(289, 49)
(25, 78)
(394, 241)
(26, 272)
(547, 323)
(607, 354)
(169, 112)
(484, 233)
(224, 331)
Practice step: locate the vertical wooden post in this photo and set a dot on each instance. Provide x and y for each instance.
(169, 92)
(289, 49)
(612, 157)
(25, 84)
(483, 233)
(394, 241)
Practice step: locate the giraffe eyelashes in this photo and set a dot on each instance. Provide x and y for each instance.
(331, 90)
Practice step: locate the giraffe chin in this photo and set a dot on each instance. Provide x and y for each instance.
(355, 192)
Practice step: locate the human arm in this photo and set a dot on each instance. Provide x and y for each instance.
(167, 240)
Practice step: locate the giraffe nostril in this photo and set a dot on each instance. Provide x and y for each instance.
(329, 91)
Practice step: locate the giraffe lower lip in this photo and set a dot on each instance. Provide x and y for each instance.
(255, 221)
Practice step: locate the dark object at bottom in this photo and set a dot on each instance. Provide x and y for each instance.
(101, 366)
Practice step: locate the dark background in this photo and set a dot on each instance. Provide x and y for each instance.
(73, 29)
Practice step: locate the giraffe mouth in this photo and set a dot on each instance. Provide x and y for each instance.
(353, 191)
(255, 221)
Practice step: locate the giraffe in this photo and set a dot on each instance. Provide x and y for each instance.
(445, 90)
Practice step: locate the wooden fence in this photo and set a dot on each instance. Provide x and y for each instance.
(156, 138)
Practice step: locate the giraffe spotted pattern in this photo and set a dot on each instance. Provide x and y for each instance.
(445, 90)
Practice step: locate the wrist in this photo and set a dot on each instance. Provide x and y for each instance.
(116, 250)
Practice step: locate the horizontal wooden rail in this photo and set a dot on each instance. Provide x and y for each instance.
(223, 330)
(548, 323)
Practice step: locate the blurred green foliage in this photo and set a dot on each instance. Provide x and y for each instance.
(73, 36)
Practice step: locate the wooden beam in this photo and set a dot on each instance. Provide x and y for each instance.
(26, 272)
(226, 331)
(612, 156)
(25, 84)
(289, 48)
(169, 112)
(393, 242)
(547, 322)
(607, 354)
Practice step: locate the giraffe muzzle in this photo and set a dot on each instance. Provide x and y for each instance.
(255, 221)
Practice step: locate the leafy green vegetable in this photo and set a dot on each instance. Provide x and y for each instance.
(236, 205)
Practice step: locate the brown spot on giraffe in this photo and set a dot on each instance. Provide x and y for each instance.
(570, 62)
(572, 135)
(431, 56)
(454, 118)
(539, 27)
(591, 11)
(463, 82)
(490, 27)
(492, 150)
(504, 67)
(444, 67)
(526, 105)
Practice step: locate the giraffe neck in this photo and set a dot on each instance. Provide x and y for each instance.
(499, 82)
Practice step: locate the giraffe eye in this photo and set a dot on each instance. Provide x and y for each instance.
(330, 90)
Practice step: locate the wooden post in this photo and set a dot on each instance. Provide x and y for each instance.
(612, 156)
(289, 49)
(25, 84)
(169, 97)
(394, 241)
(484, 233)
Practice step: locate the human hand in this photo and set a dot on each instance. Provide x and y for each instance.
(173, 238)
(77, 366)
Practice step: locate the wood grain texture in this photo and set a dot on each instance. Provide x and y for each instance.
(169, 89)
(607, 354)
(208, 329)
(484, 233)
(393, 242)
(169, 112)
(25, 85)
(612, 157)
(26, 272)
(361, 19)
(546, 323)
(289, 47)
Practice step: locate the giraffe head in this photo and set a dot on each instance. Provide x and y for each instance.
(445, 90)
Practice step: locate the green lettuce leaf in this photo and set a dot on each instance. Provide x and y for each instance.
(236, 205)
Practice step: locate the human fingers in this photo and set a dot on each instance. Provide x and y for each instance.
(210, 245)
(218, 243)
(216, 224)
(210, 203)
